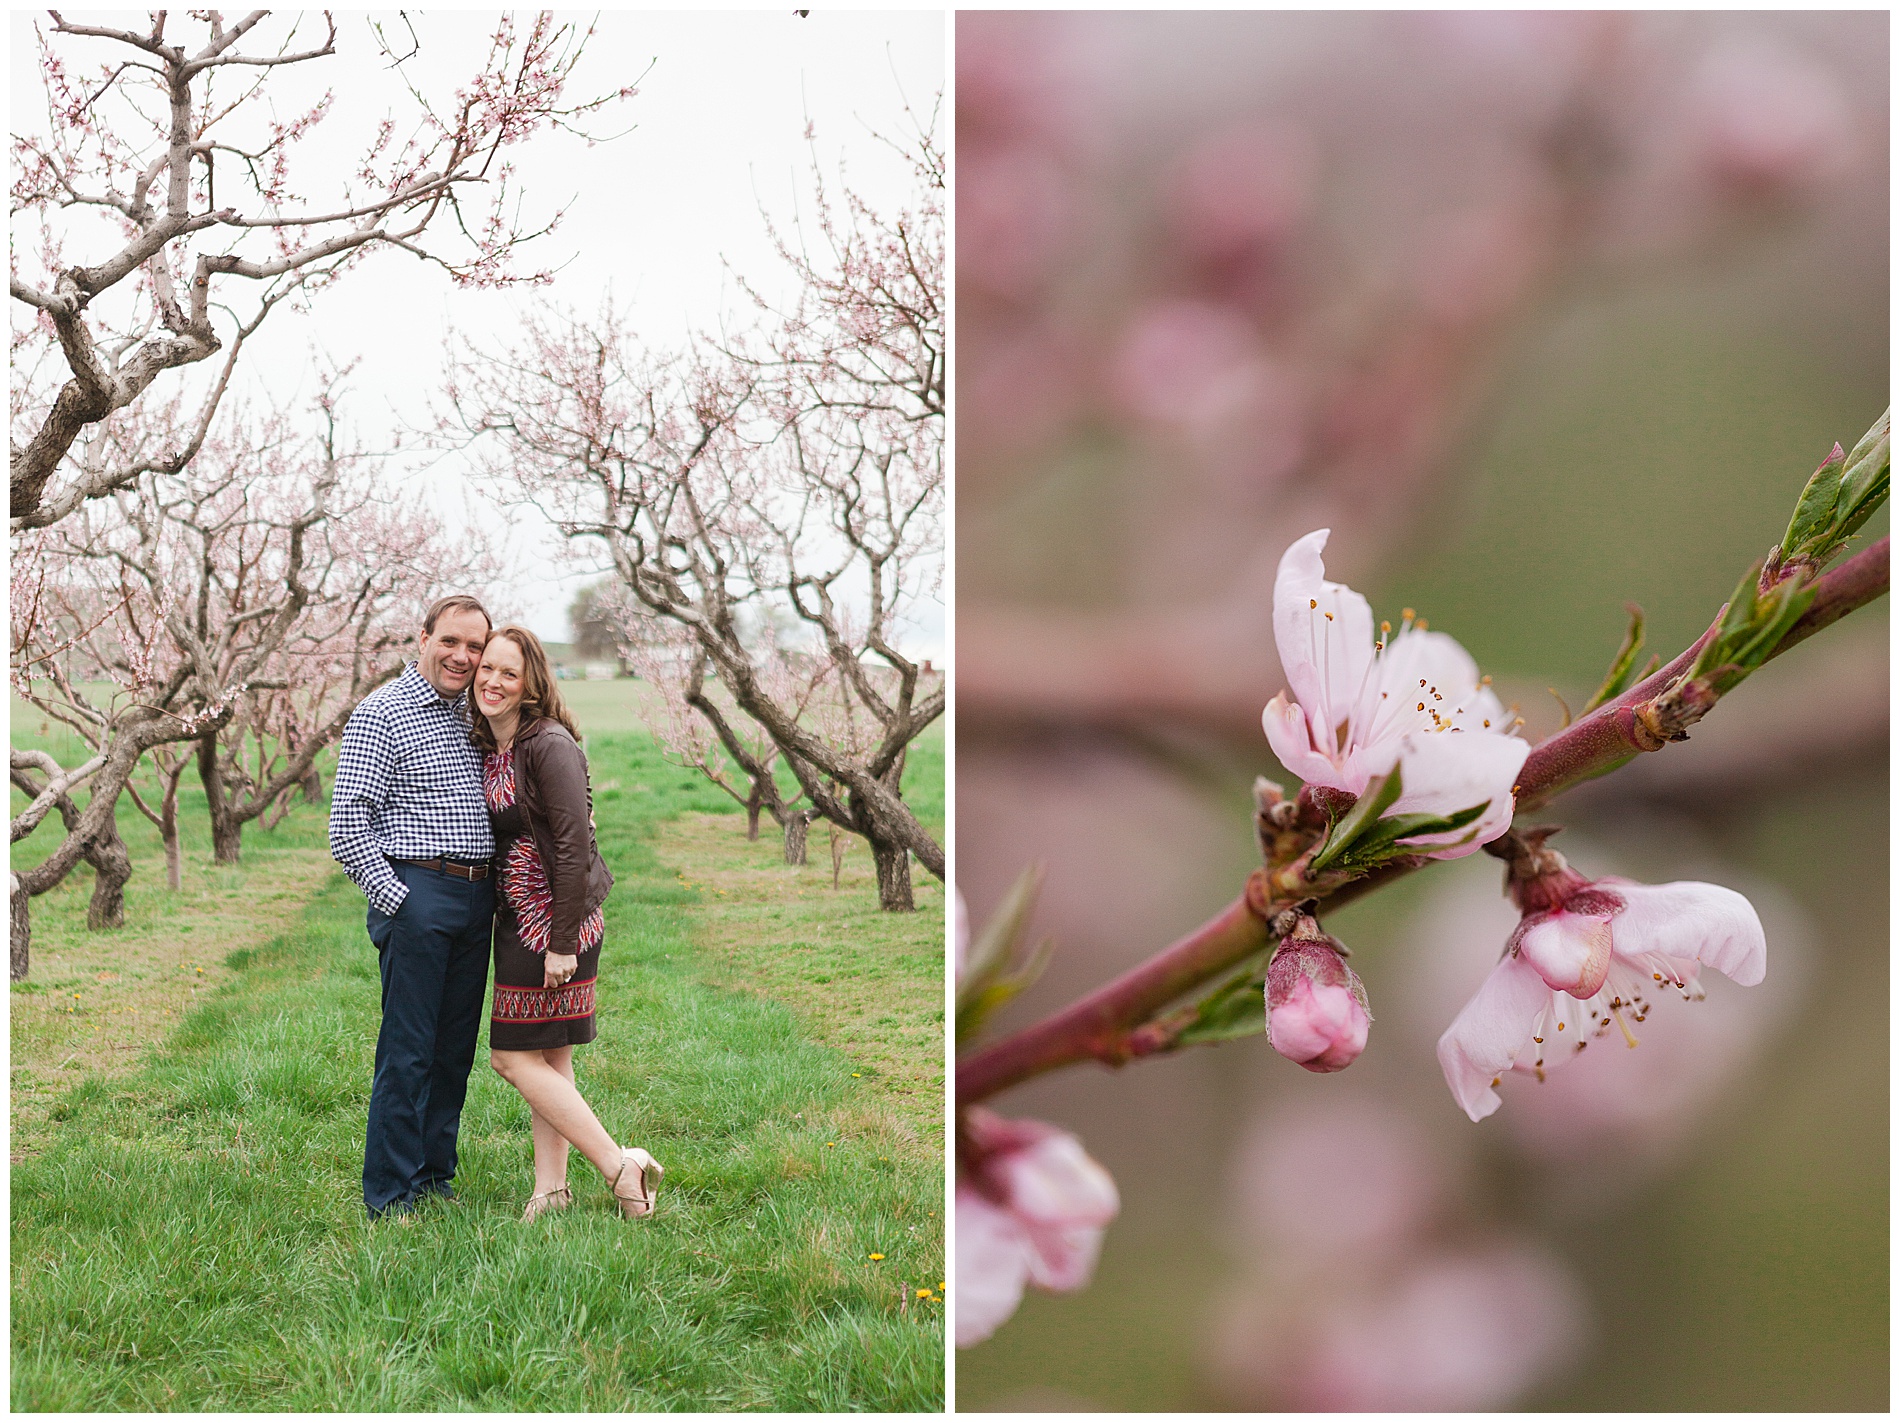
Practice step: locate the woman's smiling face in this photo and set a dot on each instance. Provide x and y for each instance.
(498, 684)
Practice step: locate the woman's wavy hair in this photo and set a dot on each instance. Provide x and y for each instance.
(539, 695)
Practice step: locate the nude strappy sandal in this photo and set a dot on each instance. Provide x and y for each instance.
(539, 1204)
(637, 1182)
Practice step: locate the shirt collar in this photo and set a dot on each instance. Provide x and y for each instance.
(416, 687)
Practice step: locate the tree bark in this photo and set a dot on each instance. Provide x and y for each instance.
(112, 867)
(102, 848)
(227, 830)
(20, 915)
(754, 804)
(168, 832)
(796, 826)
(313, 786)
(893, 877)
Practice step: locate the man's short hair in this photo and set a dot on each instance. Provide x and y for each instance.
(454, 603)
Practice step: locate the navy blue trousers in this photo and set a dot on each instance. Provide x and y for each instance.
(434, 959)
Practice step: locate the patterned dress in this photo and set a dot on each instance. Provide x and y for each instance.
(526, 1015)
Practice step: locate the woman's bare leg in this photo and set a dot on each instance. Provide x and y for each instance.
(550, 1147)
(558, 1104)
(550, 1156)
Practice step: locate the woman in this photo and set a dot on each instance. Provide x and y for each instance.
(548, 924)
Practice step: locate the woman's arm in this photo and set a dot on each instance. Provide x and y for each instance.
(557, 771)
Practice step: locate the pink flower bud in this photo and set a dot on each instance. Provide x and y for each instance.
(1316, 1006)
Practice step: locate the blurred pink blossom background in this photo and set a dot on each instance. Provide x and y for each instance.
(1539, 313)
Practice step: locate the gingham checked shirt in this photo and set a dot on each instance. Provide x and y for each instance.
(408, 786)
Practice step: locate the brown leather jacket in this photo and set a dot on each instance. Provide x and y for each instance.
(557, 802)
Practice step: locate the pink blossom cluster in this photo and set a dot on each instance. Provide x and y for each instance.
(1364, 1288)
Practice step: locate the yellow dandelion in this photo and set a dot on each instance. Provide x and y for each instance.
(923, 1294)
(877, 1255)
(857, 1074)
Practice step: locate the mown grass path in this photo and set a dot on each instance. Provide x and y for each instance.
(189, 1234)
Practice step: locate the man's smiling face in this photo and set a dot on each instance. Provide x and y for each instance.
(450, 654)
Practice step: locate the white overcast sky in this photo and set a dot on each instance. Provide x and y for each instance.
(715, 133)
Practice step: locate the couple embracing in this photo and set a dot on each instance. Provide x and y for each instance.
(461, 809)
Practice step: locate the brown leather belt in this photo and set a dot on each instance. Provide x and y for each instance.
(448, 867)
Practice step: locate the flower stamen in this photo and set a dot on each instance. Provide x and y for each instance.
(1628, 1036)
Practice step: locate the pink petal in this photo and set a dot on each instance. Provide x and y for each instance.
(993, 1256)
(1484, 1039)
(1291, 741)
(1427, 667)
(1571, 952)
(1706, 923)
(1320, 1026)
(1327, 661)
(1055, 1183)
(1062, 1258)
(1450, 770)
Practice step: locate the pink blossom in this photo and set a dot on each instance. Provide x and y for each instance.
(1471, 1330)
(1354, 1295)
(1326, 1185)
(1363, 704)
(1243, 188)
(1031, 1208)
(1584, 959)
(1183, 362)
(1316, 1006)
(1762, 121)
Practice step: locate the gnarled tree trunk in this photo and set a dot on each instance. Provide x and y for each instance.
(754, 804)
(796, 825)
(20, 917)
(893, 877)
(112, 868)
(227, 830)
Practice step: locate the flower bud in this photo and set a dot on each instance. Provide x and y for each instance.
(1316, 1006)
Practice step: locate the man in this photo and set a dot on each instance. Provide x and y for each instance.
(408, 821)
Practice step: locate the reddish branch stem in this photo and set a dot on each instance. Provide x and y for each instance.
(1107, 1025)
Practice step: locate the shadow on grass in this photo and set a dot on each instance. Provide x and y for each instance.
(193, 1237)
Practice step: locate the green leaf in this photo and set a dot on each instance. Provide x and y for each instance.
(1401, 827)
(1738, 621)
(1372, 803)
(1813, 517)
(1741, 604)
(1622, 671)
(1381, 843)
(1237, 1010)
(1789, 603)
(1865, 485)
(990, 949)
(1875, 439)
(1842, 495)
(994, 969)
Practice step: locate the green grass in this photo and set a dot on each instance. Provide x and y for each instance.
(189, 1234)
(865, 982)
